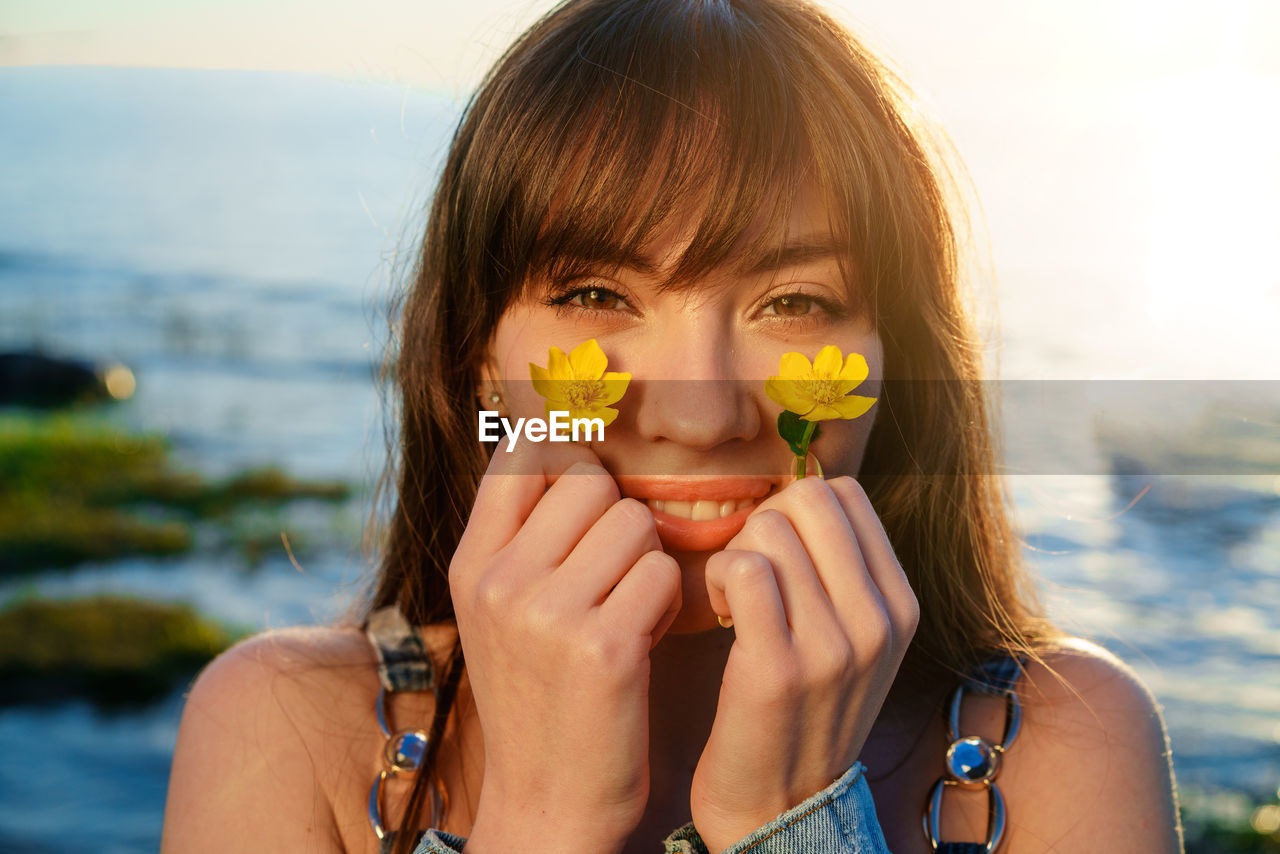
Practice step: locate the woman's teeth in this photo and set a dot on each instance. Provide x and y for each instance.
(700, 511)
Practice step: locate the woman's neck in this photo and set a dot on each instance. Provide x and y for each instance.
(684, 689)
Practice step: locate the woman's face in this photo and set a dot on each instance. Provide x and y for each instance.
(695, 425)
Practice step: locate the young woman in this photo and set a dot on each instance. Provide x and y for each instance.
(699, 186)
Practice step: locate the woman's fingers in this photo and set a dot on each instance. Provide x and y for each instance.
(576, 499)
(569, 540)
(881, 563)
(511, 488)
(834, 567)
(823, 526)
(625, 532)
(742, 584)
(648, 593)
(822, 614)
(772, 534)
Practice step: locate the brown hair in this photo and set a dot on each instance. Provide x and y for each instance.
(725, 101)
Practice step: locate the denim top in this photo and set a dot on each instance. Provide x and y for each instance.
(840, 819)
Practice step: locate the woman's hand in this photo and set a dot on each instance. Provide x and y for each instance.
(560, 594)
(823, 614)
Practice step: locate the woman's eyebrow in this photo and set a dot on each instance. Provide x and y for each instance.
(805, 250)
(605, 256)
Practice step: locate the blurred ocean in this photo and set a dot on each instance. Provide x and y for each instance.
(232, 237)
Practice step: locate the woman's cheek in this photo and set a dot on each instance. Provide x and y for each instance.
(852, 445)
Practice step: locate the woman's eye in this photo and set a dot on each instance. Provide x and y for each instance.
(792, 305)
(589, 298)
(599, 298)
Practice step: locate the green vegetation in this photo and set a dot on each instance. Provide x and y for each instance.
(1229, 822)
(1232, 839)
(110, 649)
(74, 490)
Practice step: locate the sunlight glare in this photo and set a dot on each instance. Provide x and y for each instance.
(1214, 225)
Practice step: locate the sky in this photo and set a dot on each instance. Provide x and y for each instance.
(445, 45)
(1126, 152)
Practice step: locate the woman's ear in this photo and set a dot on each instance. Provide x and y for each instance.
(490, 392)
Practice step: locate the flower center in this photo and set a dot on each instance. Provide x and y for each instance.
(822, 391)
(581, 394)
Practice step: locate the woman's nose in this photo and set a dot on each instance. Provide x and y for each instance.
(692, 391)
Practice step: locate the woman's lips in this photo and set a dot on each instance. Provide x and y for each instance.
(698, 514)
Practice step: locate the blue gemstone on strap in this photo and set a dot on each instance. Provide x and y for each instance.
(971, 760)
(406, 750)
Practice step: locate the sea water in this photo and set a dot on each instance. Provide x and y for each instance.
(234, 237)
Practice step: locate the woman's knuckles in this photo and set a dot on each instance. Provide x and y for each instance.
(748, 569)
(494, 593)
(763, 524)
(611, 655)
(633, 517)
(906, 618)
(807, 491)
(592, 482)
(547, 616)
(874, 639)
(662, 574)
(847, 487)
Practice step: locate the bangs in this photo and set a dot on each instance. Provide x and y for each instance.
(650, 112)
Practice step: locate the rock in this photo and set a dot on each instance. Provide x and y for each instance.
(44, 381)
(109, 649)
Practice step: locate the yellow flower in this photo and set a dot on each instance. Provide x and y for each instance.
(578, 383)
(820, 391)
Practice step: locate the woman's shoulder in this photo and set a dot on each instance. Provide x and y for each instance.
(305, 681)
(296, 651)
(1090, 768)
(287, 677)
(330, 666)
(287, 718)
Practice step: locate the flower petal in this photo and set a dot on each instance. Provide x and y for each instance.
(821, 412)
(606, 414)
(615, 386)
(855, 368)
(558, 365)
(588, 360)
(852, 406)
(842, 387)
(789, 394)
(543, 384)
(827, 365)
(795, 366)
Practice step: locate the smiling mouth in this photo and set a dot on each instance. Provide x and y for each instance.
(698, 513)
(702, 510)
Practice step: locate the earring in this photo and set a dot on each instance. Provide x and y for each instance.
(493, 396)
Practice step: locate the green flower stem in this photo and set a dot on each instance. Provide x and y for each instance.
(804, 449)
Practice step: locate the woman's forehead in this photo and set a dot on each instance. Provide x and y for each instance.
(801, 224)
(794, 226)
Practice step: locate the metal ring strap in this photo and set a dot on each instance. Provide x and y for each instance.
(981, 776)
(995, 816)
(402, 666)
(1012, 723)
(375, 805)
